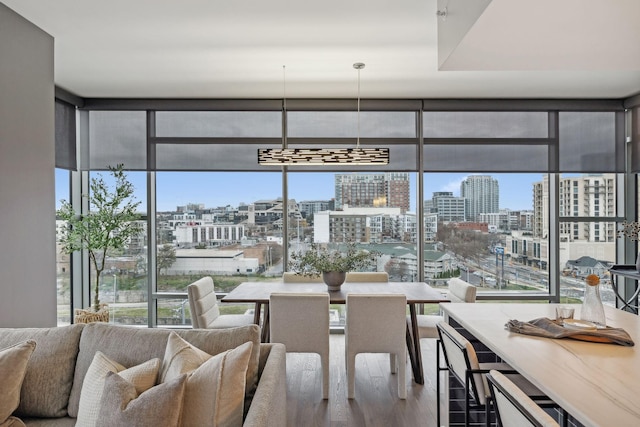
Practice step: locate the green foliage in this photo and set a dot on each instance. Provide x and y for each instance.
(319, 259)
(108, 226)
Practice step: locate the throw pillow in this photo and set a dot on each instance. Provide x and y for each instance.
(12, 422)
(142, 376)
(214, 394)
(122, 406)
(13, 366)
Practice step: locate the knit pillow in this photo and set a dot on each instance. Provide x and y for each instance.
(142, 376)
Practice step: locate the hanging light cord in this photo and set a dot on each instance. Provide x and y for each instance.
(358, 66)
(284, 107)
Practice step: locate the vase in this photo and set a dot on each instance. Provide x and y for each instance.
(638, 262)
(592, 308)
(334, 279)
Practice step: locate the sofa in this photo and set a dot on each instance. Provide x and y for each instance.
(52, 386)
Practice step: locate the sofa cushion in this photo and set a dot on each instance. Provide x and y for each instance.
(49, 377)
(142, 376)
(214, 394)
(123, 406)
(131, 346)
(13, 366)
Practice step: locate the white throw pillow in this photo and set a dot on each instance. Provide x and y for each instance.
(142, 376)
(13, 366)
(215, 390)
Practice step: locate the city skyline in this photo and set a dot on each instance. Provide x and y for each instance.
(216, 189)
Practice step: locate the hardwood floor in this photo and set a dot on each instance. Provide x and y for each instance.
(376, 402)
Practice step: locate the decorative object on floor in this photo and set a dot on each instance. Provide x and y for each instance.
(632, 231)
(112, 221)
(90, 315)
(592, 308)
(322, 156)
(332, 264)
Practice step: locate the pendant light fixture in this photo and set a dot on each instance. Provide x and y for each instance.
(323, 156)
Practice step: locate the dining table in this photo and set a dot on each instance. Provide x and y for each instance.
(597, 383)
(417, 293)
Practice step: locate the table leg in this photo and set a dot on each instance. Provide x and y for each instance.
(413, 346)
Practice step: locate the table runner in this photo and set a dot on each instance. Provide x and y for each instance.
(548, 328)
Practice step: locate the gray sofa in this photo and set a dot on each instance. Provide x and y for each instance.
(50, 393)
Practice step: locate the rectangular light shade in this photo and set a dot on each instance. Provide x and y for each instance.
(323, 156)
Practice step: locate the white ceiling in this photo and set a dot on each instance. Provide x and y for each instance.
(237, 48)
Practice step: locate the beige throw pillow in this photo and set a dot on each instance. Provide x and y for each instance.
(142, 376)
(214, 394)
(122, 406)
(13, 366)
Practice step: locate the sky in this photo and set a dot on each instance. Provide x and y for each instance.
(215, 189)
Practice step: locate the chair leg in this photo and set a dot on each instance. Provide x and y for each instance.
(351, 377)
(324, 360)
(402, 376)
(438, 383)
(393, 362)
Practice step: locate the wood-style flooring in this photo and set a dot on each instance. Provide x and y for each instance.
(376, 403)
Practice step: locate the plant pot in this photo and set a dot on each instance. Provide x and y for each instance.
(334, 279)
(89, 315)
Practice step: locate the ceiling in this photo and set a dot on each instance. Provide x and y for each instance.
(237, 48)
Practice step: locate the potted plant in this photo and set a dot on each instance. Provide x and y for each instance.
(106, 229)
(331, 264)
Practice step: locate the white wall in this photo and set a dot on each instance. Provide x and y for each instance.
(27, 165)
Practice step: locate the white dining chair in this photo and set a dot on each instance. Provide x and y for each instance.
(367, 276)
(376, 324)
(205, 313)
(513, 407)
(462, 362)
(300, 321)
(459, 292)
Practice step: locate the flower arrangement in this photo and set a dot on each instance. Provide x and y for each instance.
(320, 259)
(630, 230)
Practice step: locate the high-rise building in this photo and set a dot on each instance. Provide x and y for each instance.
(447, 206)
(482, 195)
(372, 190)
(582, 196)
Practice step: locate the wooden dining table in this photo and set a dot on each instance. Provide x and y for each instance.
(415, 292)
(598, 384)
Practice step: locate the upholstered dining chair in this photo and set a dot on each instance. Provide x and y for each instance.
(513, 407)
(291, 277)
(300, 321)
(459, 292)
(205, 313)
(367, 276)
(462, 362)
(376, 324)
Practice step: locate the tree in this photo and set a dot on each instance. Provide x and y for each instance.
(166, 257)
(108, 226)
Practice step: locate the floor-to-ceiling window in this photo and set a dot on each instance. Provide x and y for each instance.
(63, 260)
(490, 193)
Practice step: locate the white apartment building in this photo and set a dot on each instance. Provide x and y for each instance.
(208, 233)
(212, 261)
(482, 195)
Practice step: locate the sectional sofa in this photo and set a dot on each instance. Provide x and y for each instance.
(53, 383)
